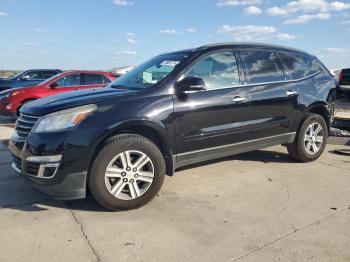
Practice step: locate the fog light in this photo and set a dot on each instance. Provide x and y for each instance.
(49, 171)
(8, 107)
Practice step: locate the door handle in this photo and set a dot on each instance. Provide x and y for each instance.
(238, 99)
(291, 93)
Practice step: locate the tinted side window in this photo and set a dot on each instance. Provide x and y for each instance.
(261, 67)
(218, 70)
(32, 76)
(299, 66)
(48, 74)
(69, 80)
(92, 79)
(106, 80)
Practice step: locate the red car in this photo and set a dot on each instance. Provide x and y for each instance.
(12, 100)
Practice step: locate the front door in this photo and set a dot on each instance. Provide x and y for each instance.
(67, 83)
(208, 122)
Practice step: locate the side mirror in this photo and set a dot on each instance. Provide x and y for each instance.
(54, 85)
(190, 83)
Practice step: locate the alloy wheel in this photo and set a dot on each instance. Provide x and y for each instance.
(313, 139)
(129, 175)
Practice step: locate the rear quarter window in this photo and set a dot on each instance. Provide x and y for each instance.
(261, 67)
(300, 66)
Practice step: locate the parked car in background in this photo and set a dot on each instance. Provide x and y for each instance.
(119, 71)
(27, 78)
(12, 100)
(344, 80)
(174, 110)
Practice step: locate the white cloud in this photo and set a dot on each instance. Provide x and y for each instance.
(122, 2)
(30, 43)
(191, 30)
(248, 32)
(335, 50)
(306, 18)
(285, 37)
(253, 10)
(222, 3)
(169, 31)
(307, 6)
(4, 14)
(97, 46)
(39, 30)
(132, 41)
(128, 53)
(252, 32)
(130, 34)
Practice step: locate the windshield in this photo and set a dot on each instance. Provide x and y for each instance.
(17, 75)
(150, 72)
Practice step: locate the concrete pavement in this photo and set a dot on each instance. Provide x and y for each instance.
(258, 206)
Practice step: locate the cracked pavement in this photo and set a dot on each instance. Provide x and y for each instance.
(258, 206)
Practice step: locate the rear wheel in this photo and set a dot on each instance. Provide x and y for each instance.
(127, 173)
(311, 139)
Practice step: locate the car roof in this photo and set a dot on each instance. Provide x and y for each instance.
(85, 71)
(43, 70)
(238, 45)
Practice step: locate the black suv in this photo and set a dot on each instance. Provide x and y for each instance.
(174, 110)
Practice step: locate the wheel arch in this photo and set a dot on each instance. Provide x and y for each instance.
(152, 131)
(21, 103)
(320, 108)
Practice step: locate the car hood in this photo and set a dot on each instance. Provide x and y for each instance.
(11, 90)
(67, 100)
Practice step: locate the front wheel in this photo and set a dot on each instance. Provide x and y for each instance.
(310, 140)
(127, 173)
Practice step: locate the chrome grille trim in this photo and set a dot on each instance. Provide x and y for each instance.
(24, 125)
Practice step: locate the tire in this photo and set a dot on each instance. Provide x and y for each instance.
(300, 149)
(126, 188)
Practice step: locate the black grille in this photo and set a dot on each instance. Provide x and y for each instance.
(33, 168)
(17, 161)
(24, 125)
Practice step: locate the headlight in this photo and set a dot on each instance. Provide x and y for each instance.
(63, 119)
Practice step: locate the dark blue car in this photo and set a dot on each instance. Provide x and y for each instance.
(27, 78)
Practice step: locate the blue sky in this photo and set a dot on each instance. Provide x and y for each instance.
(102, 34)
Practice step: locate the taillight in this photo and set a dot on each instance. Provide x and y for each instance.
(341, 77)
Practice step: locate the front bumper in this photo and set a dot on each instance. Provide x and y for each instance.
(4, 109)
(46, 166)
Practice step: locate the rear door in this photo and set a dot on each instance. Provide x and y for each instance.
(91, 80)
(274, 102)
